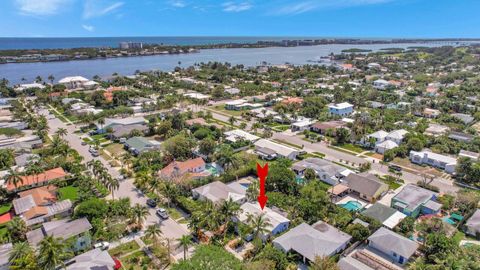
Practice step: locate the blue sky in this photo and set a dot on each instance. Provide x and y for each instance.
(329, 18)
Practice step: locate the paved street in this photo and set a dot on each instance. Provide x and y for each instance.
(170, 228)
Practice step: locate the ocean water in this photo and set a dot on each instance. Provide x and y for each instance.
(17, 73)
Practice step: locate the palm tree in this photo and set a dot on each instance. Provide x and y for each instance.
(170, 191)
(51, 253)
(22, 257)
(17, 229)
(51, 78)
(259, 224)
(112, 185)
(61, 132)
(185, 242)
(323, 263)
(14, 177)
(139, 213)
(228, 210)
(153, 232)
(231, 120)
(20, 250)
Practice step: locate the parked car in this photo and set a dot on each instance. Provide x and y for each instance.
(151, 203)
(102, 245)
(83, 143)
(395, 168)
(162, 213)
(95, 153)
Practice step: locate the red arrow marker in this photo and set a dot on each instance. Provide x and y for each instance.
(262, 175)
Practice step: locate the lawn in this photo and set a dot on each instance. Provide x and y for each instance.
(459, 236)
(68, 192)
(124, 249)
(353, 148)
(390, 181)
(288, 143)
(136, 261)
(221, 109)
(115, 149)
(4, 208)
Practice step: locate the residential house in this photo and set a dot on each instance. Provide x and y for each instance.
(235, 105)
(75, 82)
(443, 162)
(217, 192)
(367, 187)
(319, 239)
(23, 87)
(292, 101)
(468, 154)
(40, 204)
(95, 259)
(36, 180)
(387, 216)
(301, 124)
(232, 91)
(24, 159)
(375, 138)
(263, 113)
(412, 201)
(238, 134)
(465, 118)
(277, 223)
(350, 263)
(381, 84)
(397, 136)
(341, 109)
(461, 136)
(197, 96)
(328, 127)
(472, 225)
(192, 168)
(269, 150)
(436, 130)
(119, 132)
(66, 229)
(119, 122)
(326, 171)
(138, 145)
(430, 113)
(393, 245)
(16, 143)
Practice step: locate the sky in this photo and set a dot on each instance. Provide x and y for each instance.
(318, 18)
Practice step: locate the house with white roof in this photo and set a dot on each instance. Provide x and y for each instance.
(326, 171)
(94, 259)
(473, 224)
(217, 192)
(269, 150)
(235, 105)
(196, 95)
(302, 124)
(74, 82)
(381, 84)
(238, 134)
(341, 109)
(384, 146)
(375, 138)
(277, 223)
(319, 239)
(397, 136)
(443, 162)
(23, 87)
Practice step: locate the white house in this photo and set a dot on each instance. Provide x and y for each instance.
(302, 124)
(381, 84)
(375, 138)
(238, 134)
(326, 171)
(74, 82)
(397, 136)
(341, 109)
(276, 222)
(384, 146)
(433, 159)
(235, 105)
(217, 192)
(395, 246)
(270, 150)
(23, 87)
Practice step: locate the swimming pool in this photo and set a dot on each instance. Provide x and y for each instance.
(212, 169)
(449, 220)
(352, 206)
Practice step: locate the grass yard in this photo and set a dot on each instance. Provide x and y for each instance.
(288, 143)
(115, 149)
(221, 109)
(136, 261)
(459, 236)
(391, 182)
(124, 249)
(3, 231)
(4, 208)
(353, 148)
(68, 192)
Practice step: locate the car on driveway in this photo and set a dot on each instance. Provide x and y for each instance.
(395, 168)
(151, 203)
(102, 245)
(162, 213)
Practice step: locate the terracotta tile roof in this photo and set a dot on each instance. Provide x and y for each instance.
(182, 166)
(6, 217)
(292, 100)
(41, 195)
(35, 212)
(46, 176)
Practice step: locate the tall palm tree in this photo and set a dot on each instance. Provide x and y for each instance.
(112, 185)
(228, 210)
(259, 224)
(17, 229)
(14, 177)
(153, 232)
(22, 257)
(61, 132)
(185, 242)
(52, 253)
(139, 214)
(20, 250)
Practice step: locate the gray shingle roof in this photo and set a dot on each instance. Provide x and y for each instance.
(368, 185)
(388, 240)
(474, 220)
(379, 212)
(414, 196)
(95, 259)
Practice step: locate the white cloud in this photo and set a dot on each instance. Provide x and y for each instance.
(89, 28)
(41, 7)
(178, 3)
(306, 6)
(94, 9)
(236, 7)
